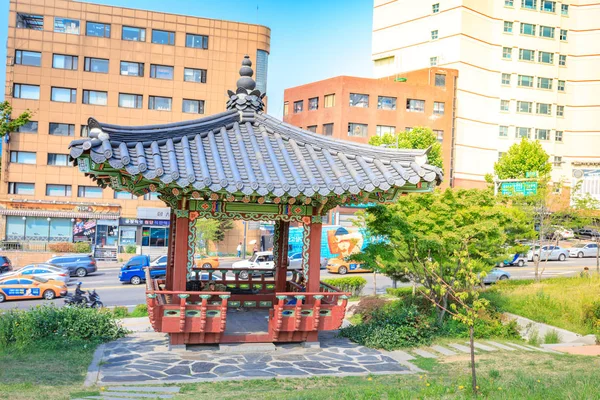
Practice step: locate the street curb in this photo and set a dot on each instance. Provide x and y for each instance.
(93, 372)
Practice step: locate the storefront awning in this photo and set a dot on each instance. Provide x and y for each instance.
(59, 214)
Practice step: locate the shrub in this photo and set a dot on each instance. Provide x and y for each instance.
(399, 292)
(120, 312)
(552, 337)
(591, 315)
(367, 306)
(130, 249)
(141, 310)
(489, 324)
(62, 247)
(83, 247)
(66, 325)
(352, 284)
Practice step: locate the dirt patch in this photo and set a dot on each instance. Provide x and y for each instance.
(581, 350)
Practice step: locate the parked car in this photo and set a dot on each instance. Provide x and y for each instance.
(563, 233)
(5, 265)
(518, 260)
(342, 267)
(584, 250)
(259, 260)
(495, 275)
(295, 262)
(45, 271)
(133, 270)
(203, 261)
(160, 261)
(587, 233)
(78, 264)
(35, 287)
(548, 252)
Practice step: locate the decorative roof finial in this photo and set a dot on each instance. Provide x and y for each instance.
(246, 97)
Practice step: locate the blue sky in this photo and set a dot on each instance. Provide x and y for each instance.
(310, 40)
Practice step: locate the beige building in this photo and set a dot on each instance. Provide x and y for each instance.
(68, 61)
(527, 68)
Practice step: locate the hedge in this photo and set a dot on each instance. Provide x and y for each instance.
(352, 284)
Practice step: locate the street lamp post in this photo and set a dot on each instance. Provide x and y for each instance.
(48, 219)
(72, 234)
(24, 228)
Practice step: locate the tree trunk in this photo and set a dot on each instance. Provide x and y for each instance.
(473, 373)
(442, 310)
(374, 283)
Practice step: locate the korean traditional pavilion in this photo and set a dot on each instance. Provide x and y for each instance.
(245, 164)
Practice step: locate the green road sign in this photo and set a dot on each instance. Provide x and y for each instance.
(519, 188)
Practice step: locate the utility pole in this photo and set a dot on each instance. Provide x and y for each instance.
(245, 231)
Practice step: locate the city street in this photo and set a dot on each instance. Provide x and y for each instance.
(114, 293)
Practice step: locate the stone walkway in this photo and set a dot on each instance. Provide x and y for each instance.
(144, 358)
(481, 347)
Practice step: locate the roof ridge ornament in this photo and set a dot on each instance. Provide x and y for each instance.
(246, 98)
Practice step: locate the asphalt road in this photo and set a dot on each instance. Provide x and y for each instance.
(114, 293)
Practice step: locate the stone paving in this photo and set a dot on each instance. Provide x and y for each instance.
(145, 358)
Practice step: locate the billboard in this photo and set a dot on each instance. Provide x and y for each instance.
(336, 240)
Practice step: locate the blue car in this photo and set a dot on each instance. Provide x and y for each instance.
(133, 271)
(78, 264)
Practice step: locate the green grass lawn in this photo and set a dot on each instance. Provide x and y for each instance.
(559, 301)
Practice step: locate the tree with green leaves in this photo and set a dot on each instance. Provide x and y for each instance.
(8, 123)
(206, 231)
(417, 138)
(437, 229)
(522, 158)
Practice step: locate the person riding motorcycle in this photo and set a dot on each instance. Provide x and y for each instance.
(79, 293)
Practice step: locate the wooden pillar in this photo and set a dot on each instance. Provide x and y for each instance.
(181, 250)
(170, 250)
(282, 230)
(314, 255)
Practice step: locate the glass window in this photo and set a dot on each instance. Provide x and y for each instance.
(509, 3)
(130, 100)
(563, 35)
(31, 58)
(542, 134)
(433, 61)
(262, 66)
(286, 108)
(61, 61)
(435, 8)
(558, 136)
(545, 57)
(29, 127)
(564, 9)
(561, 86)
(163, 37)
(313, 104)
(132, 68)
(93, 192)
(58, 190)
(508, 27)
(133, 34)
(95, 97)
(527, 29)
(358, 130)
(386, 103)
(525, 80)
(524, 106)
(124, 196)
(440, 80)
(500, 154)
(97, 29)
(557, 161)
(61, 129)
(194, 75)
(384, 129)
(312, 128)
(159, 103)
(61, 160)
(193, 106)
(21, 188)
(415, 105)
(22, 157)
(505, 79)
(63, 95)
(95, 65)
(30, 21)
(544, 83)
(161, 71)
(504, 105)
(439, 135)
(66, 25)
(328, 129)
(526, 55)
(562, 60)
(155, 237)
(359, 100)
(560, 111)
(531, 4)
(522, 132)
(329, 100)
(543, 108)
(196, 41)
(151, 196)
(298, 106)
(548, 6)
(438, 108)
(30, 92)
(434, 34)
(506, 53)
(547, 31)
(503, 131)
(85, 131)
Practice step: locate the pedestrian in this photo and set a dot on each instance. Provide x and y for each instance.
(255, 249)
(239, 250)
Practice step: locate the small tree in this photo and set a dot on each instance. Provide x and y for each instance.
(586, 210)
(417, 138)
(206, 231)
(8, 123)
(521, 158)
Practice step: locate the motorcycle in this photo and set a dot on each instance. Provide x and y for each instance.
(80, 300)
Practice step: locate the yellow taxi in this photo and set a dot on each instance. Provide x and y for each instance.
(342, 267)
(34, 287)
(207, 261)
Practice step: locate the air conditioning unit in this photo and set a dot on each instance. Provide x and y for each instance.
(577, 173)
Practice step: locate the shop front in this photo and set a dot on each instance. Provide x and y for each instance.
(150, 236)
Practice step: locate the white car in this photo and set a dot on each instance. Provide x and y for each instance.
(296, 262)
(564, 233)
(549, 253)
(584, 250)
(259, 260)
(46, 271)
